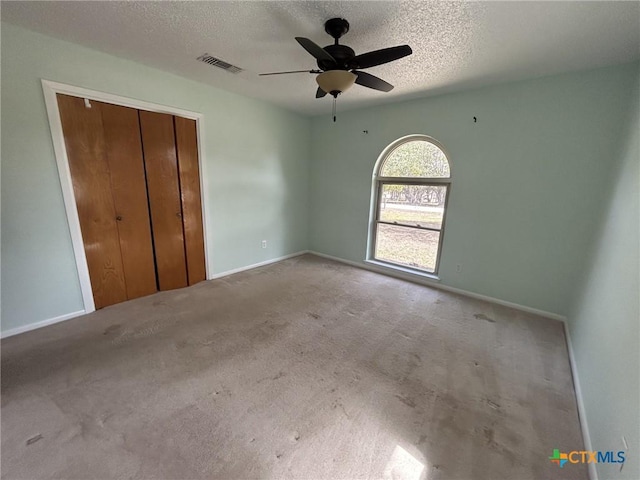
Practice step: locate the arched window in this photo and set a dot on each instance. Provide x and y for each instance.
(411, 186)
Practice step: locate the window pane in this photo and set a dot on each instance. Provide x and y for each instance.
(407, 246)
(416, 159)
(421, 205)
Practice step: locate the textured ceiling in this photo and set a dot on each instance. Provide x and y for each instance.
(456, 45)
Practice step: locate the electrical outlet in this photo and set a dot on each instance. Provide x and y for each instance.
(264, 244)
(458, 268)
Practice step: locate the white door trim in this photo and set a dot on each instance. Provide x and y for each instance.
(50, 89)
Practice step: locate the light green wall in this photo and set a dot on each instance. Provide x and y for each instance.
(527, 179)
(533, 218)
(605, 318)
(256, 165)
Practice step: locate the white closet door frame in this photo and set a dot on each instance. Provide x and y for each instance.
(50, 90)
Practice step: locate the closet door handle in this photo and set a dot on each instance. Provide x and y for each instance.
(179, 215)
(119, 218)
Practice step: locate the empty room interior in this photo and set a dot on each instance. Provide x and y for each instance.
(320, 240)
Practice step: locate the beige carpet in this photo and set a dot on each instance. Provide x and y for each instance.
(304, 369)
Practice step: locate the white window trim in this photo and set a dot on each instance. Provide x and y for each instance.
(376, 181)
(50, 90)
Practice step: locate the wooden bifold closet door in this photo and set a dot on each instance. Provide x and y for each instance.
(161, 161)
(187, 148)
(137, 188)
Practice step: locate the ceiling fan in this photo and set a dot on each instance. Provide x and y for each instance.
(339, 66)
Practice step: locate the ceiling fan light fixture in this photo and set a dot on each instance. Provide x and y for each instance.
(334, 82)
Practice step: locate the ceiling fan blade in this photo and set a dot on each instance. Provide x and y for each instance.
(320, 93)
(378, 57)
(367, 80)
(291, 71)
(318, 52)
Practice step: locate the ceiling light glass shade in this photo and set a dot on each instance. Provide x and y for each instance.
(336, 80)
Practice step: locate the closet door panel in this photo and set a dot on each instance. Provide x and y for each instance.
(161, 166)
(188, 169)
(129, 190)
(85, 144)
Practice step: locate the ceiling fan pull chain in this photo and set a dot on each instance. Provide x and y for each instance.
(334, 108)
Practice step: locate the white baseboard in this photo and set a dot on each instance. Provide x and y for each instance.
(436, 284)
(582, 414)
(68, 316)
(43, 323)
(373, 268)
(256, 265)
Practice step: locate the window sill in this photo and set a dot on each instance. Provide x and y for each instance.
(404, 272)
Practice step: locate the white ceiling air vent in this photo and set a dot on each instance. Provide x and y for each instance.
(216, 62)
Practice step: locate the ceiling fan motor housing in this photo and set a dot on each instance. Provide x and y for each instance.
(342, 54)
